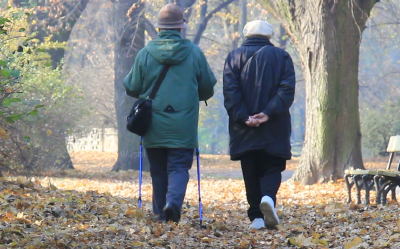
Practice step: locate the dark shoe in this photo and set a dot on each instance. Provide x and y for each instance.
(172, 213)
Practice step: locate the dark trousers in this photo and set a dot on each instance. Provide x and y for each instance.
(262, 176)
(169, 170)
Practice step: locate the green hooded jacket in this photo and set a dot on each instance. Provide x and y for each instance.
(176, 104)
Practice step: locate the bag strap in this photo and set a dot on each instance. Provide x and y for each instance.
(258, 51)
(251, 57)
(158, 83)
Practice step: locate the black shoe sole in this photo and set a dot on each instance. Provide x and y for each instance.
(171, 214)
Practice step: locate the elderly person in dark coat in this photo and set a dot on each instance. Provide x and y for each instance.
(259, 86)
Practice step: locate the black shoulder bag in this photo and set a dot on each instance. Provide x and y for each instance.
(139, 119)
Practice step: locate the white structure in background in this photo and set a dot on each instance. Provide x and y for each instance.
(104, 140)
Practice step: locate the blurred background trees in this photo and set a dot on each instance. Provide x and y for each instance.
(38, 107)
(79, 50)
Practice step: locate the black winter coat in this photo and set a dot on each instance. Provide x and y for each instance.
(263, 83)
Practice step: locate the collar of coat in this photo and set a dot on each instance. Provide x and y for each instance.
(257, 41)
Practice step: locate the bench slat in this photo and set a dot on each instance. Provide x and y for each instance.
(388, 173)
(360, 172)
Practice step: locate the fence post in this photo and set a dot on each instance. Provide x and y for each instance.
(102, 137)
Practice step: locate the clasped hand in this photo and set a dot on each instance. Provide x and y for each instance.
(256, 120)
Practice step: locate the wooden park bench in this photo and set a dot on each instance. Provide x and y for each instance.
(383, 180)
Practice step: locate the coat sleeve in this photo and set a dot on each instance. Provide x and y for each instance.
(284, 96)
(233, 97)
(133, 81)
(206, 79)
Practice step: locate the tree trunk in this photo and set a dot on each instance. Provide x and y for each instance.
(242, 20)
(327, 36)
(51, 154)
(283, 40)
(58, 157)
(129, 40)
(186, 6)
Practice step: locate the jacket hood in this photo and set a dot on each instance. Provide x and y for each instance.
(169, 48)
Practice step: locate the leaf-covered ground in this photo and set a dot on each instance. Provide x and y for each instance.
(93, 208)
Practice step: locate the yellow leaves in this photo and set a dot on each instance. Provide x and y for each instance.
(111, 229)
(135, 213)
(333, 208)
(38, 223)
(146, 229)
(20, 215)
(75, 209)
(137, 244)
(303, 241)
(395, 237)
(244, 244)
(354, 206)
(47, 39)
(3, 134)
(49, 132)
(13, 244)
(24, 182)
(130, 212)
(206, 239)
(37, 185)
(366, 214)
(79, 217)
(219, 226)
(21, 180)
(353, 243)
(7, 217)
(87, 197)
(2, 201)
(316, 235)
(52, 187)
(322, 242)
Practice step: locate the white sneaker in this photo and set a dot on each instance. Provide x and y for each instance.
(258, 223)
(267, 208)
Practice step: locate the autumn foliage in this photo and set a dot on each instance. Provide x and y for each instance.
(93, 208)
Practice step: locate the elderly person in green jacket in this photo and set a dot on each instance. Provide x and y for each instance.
(172, 136)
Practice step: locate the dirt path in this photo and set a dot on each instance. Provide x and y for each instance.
(286, 175)
(216, 166)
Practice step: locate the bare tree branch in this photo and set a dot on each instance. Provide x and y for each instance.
(384, 24)
(75, 13)
(203, 24)
(149, 27)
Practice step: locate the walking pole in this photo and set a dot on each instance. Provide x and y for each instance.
(198, 184)
(140, 171)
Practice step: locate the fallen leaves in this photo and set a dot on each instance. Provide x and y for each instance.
(302, 241)
(105, 213)
(99, 209)
(3, 134)
(353, 243)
